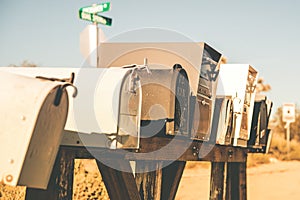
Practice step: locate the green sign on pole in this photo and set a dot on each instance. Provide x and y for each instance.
(95, 18)
(89, 13)
(103, 7)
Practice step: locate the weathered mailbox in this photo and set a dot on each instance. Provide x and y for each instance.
(165, 102)
(259, 134)
(238, 81)
(200, 64)
(33, 113)
(108, 104)
(222, 121)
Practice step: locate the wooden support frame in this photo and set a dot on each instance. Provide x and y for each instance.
(119, 184)
(60, 185)
(171, 178)
(217, 180)
(236, 187)
(228, 172)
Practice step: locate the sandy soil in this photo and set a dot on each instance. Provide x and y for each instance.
(274, 181)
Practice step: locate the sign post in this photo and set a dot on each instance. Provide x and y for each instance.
(90, 13)
(288, 116)
(89, 46)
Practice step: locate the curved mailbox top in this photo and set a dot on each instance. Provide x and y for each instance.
(31, 128)
(96, 108)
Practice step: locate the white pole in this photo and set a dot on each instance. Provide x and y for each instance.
(288, 135)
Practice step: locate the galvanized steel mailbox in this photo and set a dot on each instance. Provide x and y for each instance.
(200, 64)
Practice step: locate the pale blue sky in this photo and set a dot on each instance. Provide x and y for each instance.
(265, 34)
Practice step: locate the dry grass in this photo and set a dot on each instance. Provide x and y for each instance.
(87, 184)
(257, 159)
(12, 193)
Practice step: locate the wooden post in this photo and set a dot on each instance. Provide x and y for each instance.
(60, 186)
(149, 182)
(171, 176)
(217, 180)
(236, 181)
(119, 184)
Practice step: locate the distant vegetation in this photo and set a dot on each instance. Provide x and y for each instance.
(25, 63)
(279, 144)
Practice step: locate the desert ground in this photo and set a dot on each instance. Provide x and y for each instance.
(277, 180)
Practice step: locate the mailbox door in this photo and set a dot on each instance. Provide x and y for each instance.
(258, 134)
(202, 118)
(182, 94)
(130, 112)
(222, 122)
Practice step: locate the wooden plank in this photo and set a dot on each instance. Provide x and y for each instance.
(148, 181)
(60, 185)
(236, 181)
(183, 149)
(119, 184)
(171, 176)
(217, 180)
(170, 148)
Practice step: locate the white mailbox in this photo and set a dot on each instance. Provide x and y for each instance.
(33, 113)
(108, 102)
(238, 81)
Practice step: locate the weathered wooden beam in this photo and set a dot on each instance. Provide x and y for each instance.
(217, 180)
(119, 184)
(171, 176)
(148, 179)
(60, 186)
(236, 181)
(183, 149)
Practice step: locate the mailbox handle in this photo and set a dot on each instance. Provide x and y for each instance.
(60, 90)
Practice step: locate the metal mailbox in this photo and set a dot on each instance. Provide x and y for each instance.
(259, 134)
(108, 103)
(165, 102)
(204, 102)
(200, 62)
(238, 81)
(222, 121)
(33, 113)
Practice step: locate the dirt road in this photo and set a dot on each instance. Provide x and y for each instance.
(274, 181)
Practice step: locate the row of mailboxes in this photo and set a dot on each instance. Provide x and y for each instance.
(240, 116)
(182, 90)
(132, 102)
(235, 103)
(37, 108)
